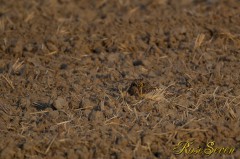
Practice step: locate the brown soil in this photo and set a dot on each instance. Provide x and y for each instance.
(66, 66)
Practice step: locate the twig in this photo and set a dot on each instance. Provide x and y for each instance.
(39, 112)
(49, 146)
(64, 122)
(110, 119)
(8, 81)
(84, 108)
(192, 130)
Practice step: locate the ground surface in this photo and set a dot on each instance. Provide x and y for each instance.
(65, 67)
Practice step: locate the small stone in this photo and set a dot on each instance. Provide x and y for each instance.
(60, 103)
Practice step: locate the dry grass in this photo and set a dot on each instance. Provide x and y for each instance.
(231, 107)
(162, 2)
(50, 144)
(124, 2)
(52, 53)
(4, 108)
(17, 67)
(226, 34)
(39, 112)
(62, 30)
(156, 95)
(8, 80)
(2, 25)
(199, 41)
(29, 17)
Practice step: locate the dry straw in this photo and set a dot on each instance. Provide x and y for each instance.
(156, 95)
(199, 41)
